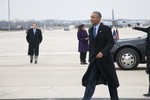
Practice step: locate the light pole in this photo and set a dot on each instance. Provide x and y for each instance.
(9, 14)
(44, 25)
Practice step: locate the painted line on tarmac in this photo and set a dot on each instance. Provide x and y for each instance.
(41, 54)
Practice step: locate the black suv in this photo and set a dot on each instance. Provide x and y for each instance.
(128, 53)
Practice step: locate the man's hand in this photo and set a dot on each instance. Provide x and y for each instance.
(145, 57)
(87, 38)
(99, 55)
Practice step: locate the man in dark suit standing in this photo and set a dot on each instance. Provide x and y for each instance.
(147, 56)
(101, 69)
(34, 38)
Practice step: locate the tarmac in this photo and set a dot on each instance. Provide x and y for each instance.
(58, 74)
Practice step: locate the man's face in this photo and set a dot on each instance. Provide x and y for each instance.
(94, 19)
(34, 26)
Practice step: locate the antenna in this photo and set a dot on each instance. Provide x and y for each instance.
(9, 15)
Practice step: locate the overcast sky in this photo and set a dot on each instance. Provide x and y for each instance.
(74, 9)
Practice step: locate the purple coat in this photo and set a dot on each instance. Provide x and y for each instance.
(83, 43)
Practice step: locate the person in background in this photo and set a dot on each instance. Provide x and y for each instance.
(115, 34)
(147, 56)
(34, 38)
(83, 43)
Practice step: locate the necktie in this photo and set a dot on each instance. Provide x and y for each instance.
(94, 32)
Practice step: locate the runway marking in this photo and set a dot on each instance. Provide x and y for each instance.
(41, 54)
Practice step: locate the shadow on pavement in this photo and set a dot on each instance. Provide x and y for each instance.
(79, 99)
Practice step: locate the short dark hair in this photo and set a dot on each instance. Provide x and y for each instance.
(99, 15)
(34, 23)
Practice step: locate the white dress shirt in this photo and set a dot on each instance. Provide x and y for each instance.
(34, 30)
(97, 26)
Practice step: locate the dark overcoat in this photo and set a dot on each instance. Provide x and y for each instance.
(147, 30)
(102, 43)
(34, 39)
(83, 43)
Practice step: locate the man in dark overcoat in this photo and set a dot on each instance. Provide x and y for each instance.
(101, 69)
(147, 56)
(34, 38)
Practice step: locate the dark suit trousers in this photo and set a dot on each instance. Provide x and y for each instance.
(90, 88)
(149, 84)
(83, 57)
(148, 72)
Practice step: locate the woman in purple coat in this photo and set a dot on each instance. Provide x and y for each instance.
(83, 43)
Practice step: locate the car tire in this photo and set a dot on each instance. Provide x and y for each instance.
(127, 59)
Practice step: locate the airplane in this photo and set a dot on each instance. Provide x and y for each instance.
(124, 22)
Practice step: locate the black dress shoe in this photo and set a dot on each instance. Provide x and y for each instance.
(85, 63)
(82, 63)
(35, 62)
(31, 61)
(147, 95)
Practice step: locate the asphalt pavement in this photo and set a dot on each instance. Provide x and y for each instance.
(58, 74)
